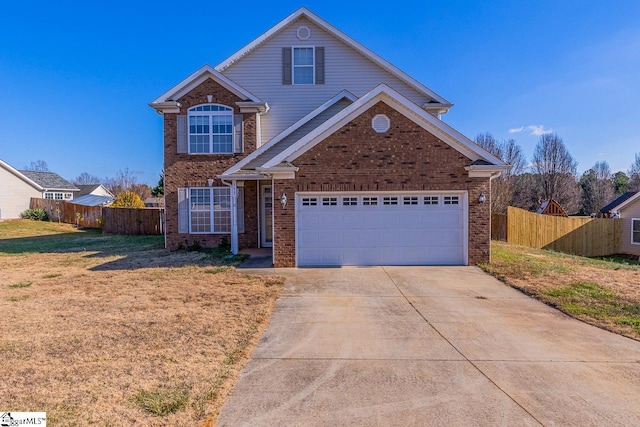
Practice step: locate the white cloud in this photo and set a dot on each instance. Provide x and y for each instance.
(536, 130)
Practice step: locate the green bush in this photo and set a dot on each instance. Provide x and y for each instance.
(35, 215)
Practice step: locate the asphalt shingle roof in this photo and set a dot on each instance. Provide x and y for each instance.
(619, 200)
(49, 180)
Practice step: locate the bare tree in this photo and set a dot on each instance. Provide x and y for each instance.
(502, 188)
(634, 175)
(37, 166)
(597, 188)
(555, 169)
(85, 178)
(123, 181)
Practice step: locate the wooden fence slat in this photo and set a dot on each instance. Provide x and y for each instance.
(579, 236)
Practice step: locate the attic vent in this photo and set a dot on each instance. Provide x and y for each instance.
(303, 33)
(381, 123)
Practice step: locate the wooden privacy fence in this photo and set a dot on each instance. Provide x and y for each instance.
(70, 213)
(132, 221)
(579, 236)
(110, 220)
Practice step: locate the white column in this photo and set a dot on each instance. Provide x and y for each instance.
(234, 216)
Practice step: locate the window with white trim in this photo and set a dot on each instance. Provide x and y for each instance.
(309, 201)
(451, 200)
(430, 200)
(303, 65)
(210, 129)
(51, 195)
(210, 210)
(410, 200)
(370, 201)
(635, 231)
(390, 200)
(349, 201)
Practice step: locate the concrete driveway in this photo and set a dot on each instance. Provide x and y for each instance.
(416, 346)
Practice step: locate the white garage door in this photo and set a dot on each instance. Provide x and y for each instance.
(381, 229)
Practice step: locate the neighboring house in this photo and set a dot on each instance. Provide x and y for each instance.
(627, 207)
(308, 142)
(17, 187)
(552, 208)
(154, 202)
(93, 195)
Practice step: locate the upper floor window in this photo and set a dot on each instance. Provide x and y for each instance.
(210, 129)
(303, 65)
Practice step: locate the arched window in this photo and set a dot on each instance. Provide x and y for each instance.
(210, 129)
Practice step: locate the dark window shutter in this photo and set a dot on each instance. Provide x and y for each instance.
(237, 133)
(319, 65)
(183, 210)
(182, 134)
(286, 65)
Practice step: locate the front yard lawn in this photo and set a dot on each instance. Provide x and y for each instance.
(604, 292)
(114, 330)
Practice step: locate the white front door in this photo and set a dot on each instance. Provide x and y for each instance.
(396, 228)
(266, 206)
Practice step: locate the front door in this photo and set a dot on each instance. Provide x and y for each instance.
(267, 215)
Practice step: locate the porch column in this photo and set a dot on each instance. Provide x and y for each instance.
(234, 216)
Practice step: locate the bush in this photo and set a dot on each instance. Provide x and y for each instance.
(128, 199)
(35, 215)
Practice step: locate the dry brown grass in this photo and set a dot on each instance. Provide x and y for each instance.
(605, 293)
(116, 336)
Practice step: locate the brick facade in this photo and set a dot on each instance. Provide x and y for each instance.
(184, 170)
(405, 158)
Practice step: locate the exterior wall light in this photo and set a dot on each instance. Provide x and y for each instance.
(482, 198)
(283, 200)
(210, 182)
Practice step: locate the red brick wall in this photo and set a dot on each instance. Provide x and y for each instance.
(356, 158)
(184, 170)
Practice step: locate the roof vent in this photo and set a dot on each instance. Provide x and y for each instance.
(303, 33)
(381, 123)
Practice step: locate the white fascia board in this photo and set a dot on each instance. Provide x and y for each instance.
(290, 129)
(203, 73)
(394, 99)
(23, 177)
(342, 37)
(242, 177)
(627, 202)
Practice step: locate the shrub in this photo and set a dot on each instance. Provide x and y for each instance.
(128, 199)
(35, 215)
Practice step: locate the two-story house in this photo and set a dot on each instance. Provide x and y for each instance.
(308, 142)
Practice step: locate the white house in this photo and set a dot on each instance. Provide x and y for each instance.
(17, 187)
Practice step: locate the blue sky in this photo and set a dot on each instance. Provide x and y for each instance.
(77, 77)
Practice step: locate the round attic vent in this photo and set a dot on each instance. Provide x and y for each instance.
(303, 33)
(381, 123)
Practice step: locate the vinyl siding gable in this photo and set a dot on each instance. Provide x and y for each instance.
(629, 212)
(15, 195)
(344, 68)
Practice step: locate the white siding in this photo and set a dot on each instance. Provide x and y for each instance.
(15, 195)
(260, 72)
(631, 211)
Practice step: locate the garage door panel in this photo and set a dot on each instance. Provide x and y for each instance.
(381, 234)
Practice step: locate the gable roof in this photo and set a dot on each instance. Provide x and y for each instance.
(90, 188)
(294, 132)
(169, 99)
(49, 180)
(304, 12)
(384, 93)
(551, 207)
(622, 201)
